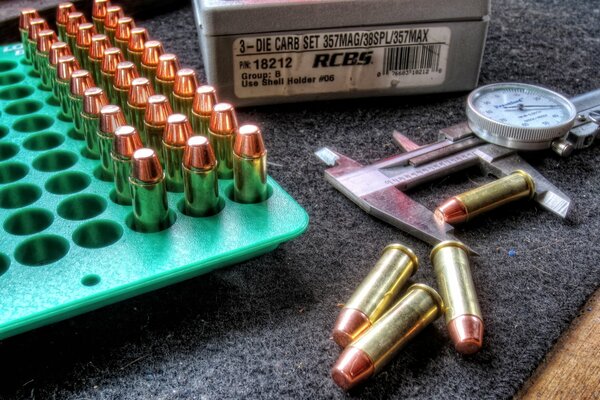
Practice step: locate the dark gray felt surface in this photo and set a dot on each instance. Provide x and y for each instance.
(261, 329)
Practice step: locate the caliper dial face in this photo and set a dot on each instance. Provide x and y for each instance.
(518, 115)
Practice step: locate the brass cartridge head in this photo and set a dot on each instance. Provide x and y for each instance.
(112, 57)
(65, 66)
(58, 49)
(62, 12)
(25, 17)
(199, 154)
(178, 130)
(139, 92)
(158, 110)
(99, 8)
(248, 142)
(126, 72)
(85, 31)
(45, 39)
(81, 80)
(111, 117)
(168, 65)
(223, 120)
(127, 141)
(94, 99)
(113, 13)
(153, 49)
(73, 20)
(36, 25)
(124, 26)
(146, 166)
(98, 45)
(138, 37)
(205, 99)
(185, 82)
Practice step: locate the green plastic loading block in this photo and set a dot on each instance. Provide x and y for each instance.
(67, 248)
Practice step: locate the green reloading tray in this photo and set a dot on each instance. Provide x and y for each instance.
(65, 246)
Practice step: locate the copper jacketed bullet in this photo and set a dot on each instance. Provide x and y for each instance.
(25, 17)
(36, 25)
(367, 356)
(200, 179)
(184, 89)
(158, 110)
(111, 117)
(153, 49)
(57, 50)
(463, 317)
(177, 132)
(125, 74)
(139, 92)
(123, 33)
(73, 20)
(113, 13)
(62, 13)
(468, 205)
(376, 293)
(83, 40)
(81, 80)
(94, 99)
(249, 166)
(45, 40)
(99, 44)
(167, 68)
(108, 69)
(99, 14)
(65, 67)
(126, 142)
(135, 47)
(150, 206)
(221, 131)
(204, 102)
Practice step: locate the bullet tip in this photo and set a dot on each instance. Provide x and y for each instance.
(167, 68)
(452, 211)
(36, 25)
(124, 26)
(178, 130)
(45, 39)
(99, 8)
(139, 92)
(349, 325)
(85, 31)
(466, 332)
(112, 57)
(223, 120)
(125, 73)
(94, 99)
(73, 20)
(146, 166)
(65, 66)
(80, 81)
(58, 49)
(137, 38)
(111, 117)
(27, 14)
(113, 13)
(204, 100)
(158, 110)
(62, 12)
(127, 141)
(352, 368)
(199, 154)
(153, 49)
(185, 82)
(248, 142)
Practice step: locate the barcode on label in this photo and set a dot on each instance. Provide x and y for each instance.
(409, 58)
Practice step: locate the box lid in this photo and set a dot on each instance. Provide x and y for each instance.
(226, 17)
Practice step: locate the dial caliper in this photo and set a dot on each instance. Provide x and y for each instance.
(502, 119)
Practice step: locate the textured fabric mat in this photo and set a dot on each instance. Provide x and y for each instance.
(261, 329)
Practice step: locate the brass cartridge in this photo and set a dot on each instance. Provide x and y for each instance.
(205, 99)
(200, 179)
(126, 142)
(468, 205)
(135, 47)
(153, 49)
(62, 16)
(167, 68)
(123, 33)
(25, 17)
(111, 117)
(113, 13)
(73, 20)
(376, 293)
(94, 99)
(125, 74)
(158, 110)
(98, 45)
(57, 50)
(112, 57)
(139, 92)
(99, 8)
(81, 80)
(45, 39)
(367, 356)
(66, 65)
(221, 132)
(249, 166)
(184, 90)
(463, 317)
(83, 41)
(36, 25)
(177, 133)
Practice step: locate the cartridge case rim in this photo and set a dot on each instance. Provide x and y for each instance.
(529, 180)
(413, 257)
(449, 243)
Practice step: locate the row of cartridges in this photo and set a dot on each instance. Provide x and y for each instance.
(152, 125)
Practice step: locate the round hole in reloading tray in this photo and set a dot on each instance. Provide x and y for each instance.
(41, 250)
(52, 101)
(8, 150)
(11, 78)
(28, 221)
(3, 131)
(12, 172)
(56, 160)
(97, 234)
(43, 141)
(16, 92)
(90, 280)
(19, 195)
(33, 74)
(4, 263)
(130, 222)
(7, 65)
(68, 182)
(33, 123)
(73, 134)
(62, 117)
(81, 206)
(23, 107)
(182, 209)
